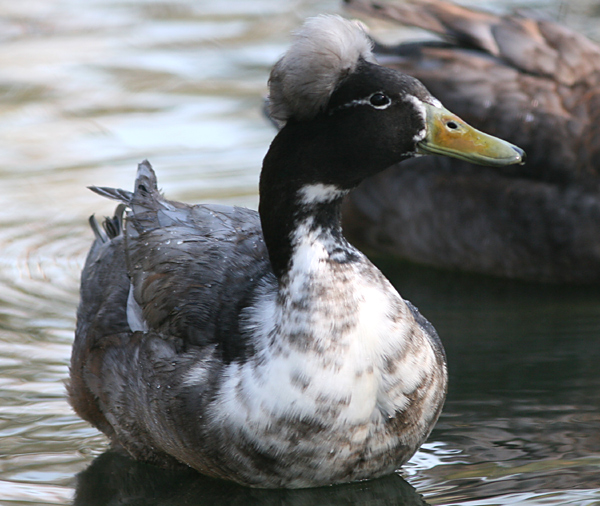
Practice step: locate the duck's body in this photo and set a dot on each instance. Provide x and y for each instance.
(307, 367)
(264, 348)
(518, 78)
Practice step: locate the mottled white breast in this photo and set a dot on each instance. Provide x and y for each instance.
(335, 344)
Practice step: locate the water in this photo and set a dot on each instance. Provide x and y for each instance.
(87, 90)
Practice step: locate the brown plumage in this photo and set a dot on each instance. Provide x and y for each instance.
(532, 82)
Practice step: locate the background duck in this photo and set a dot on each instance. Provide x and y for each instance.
(530, 81)
(262, 347)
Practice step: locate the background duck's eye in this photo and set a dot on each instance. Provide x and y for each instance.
(379, 100)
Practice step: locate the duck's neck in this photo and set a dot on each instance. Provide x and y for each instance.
(297, 212)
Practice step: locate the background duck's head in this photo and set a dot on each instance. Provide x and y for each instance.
(368, 117)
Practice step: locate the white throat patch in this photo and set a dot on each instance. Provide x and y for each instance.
(319, 193)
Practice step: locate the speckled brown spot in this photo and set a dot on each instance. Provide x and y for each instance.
(300, 381)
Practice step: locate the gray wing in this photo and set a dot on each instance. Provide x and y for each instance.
(193, 269)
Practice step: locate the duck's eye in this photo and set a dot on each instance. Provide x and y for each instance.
(379, 100)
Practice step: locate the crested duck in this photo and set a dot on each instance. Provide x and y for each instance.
(262, 347)
(528, 81)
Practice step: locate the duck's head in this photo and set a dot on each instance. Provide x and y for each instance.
(329, 90)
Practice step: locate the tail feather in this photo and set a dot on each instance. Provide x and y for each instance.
(113, 193)
(145, 183)
(98, 232)
(112, 226)
(145, 179)
(146, 191)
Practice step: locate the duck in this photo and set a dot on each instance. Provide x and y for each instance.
(526, 80)
(262, 347)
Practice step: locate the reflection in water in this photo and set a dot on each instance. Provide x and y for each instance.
(114, 479)
(523, 409)
(85, 94)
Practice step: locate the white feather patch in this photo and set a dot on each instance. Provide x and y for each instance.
(420, 108)
(319, 193)
(135, 316)
(324, 51)
(285, 380)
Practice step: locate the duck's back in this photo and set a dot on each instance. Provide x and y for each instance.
(181, 262)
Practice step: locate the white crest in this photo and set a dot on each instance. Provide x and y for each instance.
(325, 50)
